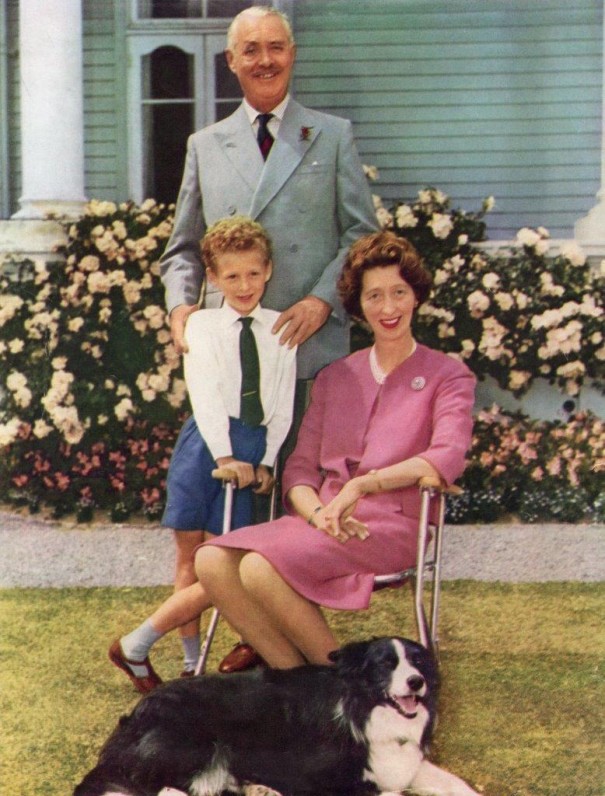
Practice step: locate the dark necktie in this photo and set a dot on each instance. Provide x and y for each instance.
(251, 409)
(263, 136)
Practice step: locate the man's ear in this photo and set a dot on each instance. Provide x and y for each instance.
(211, 276)
(229, 58)
(269, 271)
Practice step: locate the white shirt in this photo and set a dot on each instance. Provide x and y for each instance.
(272, 124)
(213, 376)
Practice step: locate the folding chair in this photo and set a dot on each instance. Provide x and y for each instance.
(428, 559)
(228, 477)
(433, 496)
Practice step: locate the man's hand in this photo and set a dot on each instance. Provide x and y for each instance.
(178, 319)
(301, 320)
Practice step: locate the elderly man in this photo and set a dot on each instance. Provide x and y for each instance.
(310, 194)
(297, 172)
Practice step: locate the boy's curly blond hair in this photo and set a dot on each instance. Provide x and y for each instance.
(233, 234)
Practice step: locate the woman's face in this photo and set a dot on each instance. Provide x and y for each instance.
(388, 303)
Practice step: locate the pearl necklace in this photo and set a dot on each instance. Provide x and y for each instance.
(377, 372)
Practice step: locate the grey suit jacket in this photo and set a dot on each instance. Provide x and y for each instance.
(311, 196)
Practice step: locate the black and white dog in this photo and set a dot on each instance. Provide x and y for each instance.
(358, 727)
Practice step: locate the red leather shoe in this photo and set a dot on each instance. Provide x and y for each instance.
(241, 657)
(141, 673)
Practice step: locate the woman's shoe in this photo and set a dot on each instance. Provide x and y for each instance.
(141, 673)
(241, 657)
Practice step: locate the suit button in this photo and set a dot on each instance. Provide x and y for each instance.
(294, 247)
(232, 210)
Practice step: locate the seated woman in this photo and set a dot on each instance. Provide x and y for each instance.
(378, 420)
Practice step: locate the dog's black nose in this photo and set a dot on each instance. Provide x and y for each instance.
(416, 682)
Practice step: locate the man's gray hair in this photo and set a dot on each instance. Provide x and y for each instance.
(257, 11)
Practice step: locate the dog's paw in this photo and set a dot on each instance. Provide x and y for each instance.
(251, 789)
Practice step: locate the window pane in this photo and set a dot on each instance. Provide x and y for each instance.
(166, 129)
(227, 8)
(226, 83)
(171, 9)
(168, 74)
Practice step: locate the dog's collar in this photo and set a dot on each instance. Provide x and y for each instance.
(388, 699)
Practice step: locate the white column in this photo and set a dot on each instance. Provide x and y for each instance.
(590, 230)
(52, 118)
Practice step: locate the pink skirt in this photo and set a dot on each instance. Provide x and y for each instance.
(327, 572)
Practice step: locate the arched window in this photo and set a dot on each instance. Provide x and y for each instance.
(168, 119)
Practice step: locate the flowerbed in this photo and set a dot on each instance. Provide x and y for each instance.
(92, 394)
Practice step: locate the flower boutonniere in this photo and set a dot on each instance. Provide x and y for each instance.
(305, 133)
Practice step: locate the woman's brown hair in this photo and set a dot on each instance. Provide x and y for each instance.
(379, 250)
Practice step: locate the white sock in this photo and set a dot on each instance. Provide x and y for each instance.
(136, 645)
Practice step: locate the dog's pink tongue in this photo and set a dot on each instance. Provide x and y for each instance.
(407, 703)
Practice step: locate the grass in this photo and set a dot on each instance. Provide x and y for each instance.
(521, 708)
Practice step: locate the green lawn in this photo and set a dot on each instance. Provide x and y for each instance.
(521, 709)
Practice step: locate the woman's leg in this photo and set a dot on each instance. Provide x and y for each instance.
(287, 637)
(299, 619)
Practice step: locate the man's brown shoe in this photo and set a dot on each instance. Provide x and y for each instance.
(141, 673)
(241, 657)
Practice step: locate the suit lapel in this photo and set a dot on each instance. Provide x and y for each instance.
(295, 137)
(236, 138)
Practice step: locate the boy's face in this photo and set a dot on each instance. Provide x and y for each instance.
(241, 277)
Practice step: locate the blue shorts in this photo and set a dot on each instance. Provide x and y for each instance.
(195, 500)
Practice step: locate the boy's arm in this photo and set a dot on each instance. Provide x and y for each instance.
(279, 424)
(201, 376)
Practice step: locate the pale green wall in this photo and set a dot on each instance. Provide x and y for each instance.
(476, 97)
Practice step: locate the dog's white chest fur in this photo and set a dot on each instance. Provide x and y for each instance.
(394, 748)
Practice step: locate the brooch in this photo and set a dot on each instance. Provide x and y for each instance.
(305, 133)
(418, 382)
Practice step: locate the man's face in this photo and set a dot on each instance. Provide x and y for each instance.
(262, 60)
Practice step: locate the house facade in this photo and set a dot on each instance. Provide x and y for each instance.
(475, 97)
(478, 98)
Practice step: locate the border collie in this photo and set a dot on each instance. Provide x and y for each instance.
(357, 728)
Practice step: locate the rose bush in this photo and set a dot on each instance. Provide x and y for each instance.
(92, 394)
(515, 314)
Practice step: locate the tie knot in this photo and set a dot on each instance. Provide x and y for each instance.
(263, 119)
(246, 322)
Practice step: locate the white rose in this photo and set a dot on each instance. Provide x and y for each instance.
(573, 252)
(404, 217)
(441, 224)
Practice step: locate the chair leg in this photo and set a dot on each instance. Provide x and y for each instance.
(424, 634)
(438, 557)
(200, 667)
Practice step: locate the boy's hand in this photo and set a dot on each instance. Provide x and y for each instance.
(264, 479)
(244, 471)
(178, 319)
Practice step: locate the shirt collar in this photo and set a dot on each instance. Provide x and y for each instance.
(232, 317)
(278, 111)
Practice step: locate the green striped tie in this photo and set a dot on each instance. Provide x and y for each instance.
(251, 409)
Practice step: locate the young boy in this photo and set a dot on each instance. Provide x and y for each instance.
(237, 256)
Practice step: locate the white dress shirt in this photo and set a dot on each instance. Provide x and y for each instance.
(272, 124)
(213, 376)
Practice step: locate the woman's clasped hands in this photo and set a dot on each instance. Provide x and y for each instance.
(336, 518)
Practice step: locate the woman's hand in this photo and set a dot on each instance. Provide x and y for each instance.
(264, 480)
(336, 519)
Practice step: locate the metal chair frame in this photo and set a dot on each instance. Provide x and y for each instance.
(428, 560)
